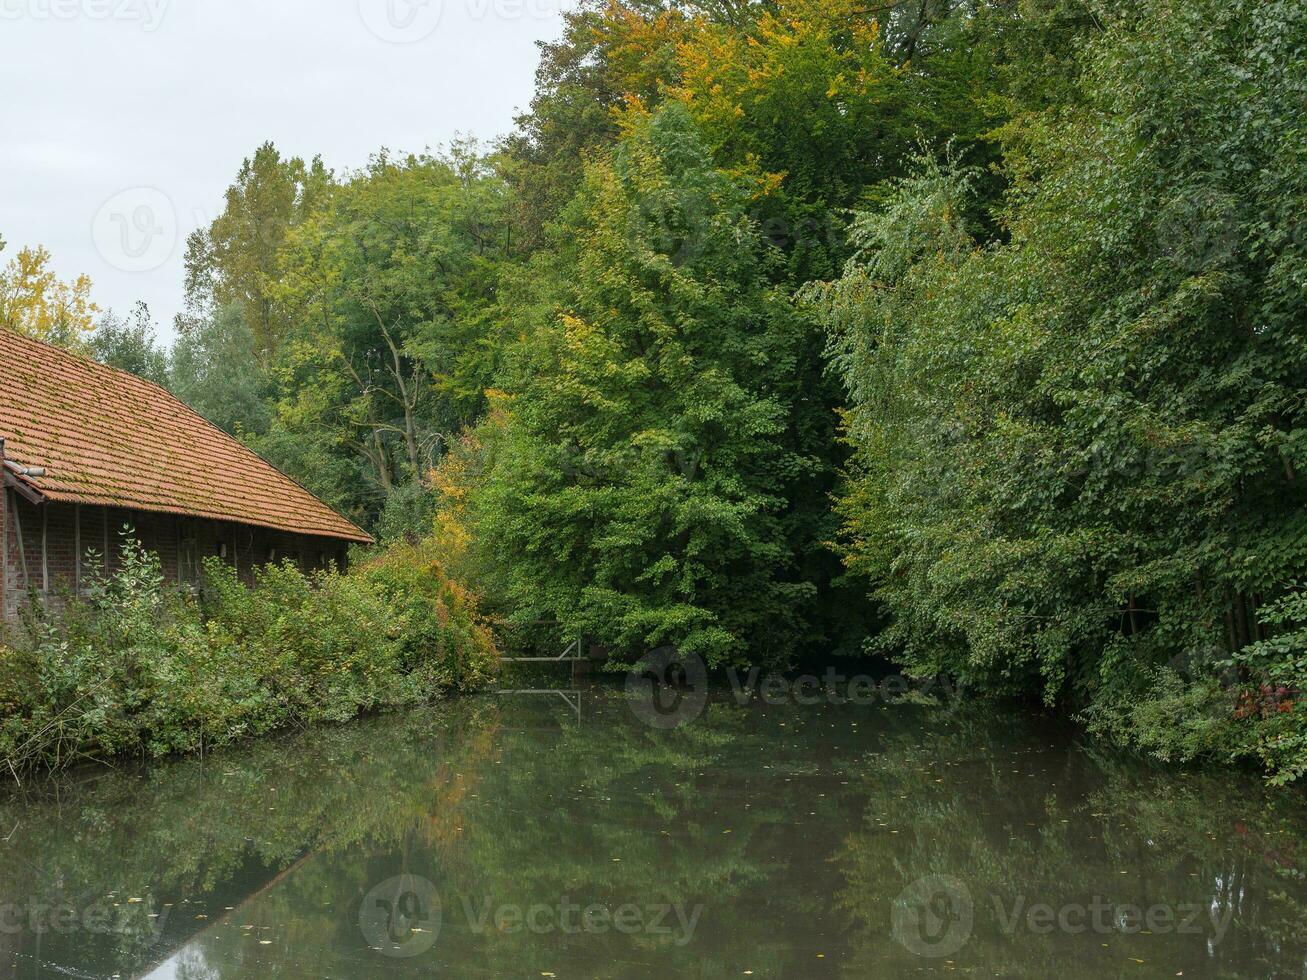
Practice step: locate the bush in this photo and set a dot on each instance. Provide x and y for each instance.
(331, 644)
(1271, 701)
(408, 513)
(1248, 707)
(444, 640)
(138, 667)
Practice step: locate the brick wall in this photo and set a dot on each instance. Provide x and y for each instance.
(44, 544)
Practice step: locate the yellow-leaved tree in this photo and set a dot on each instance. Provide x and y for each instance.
(36, 302)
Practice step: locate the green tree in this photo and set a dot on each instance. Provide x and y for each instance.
(131, 344)
(1080, 447)
(214, 370)
(234, 260)
(638, 496)
(393, 345)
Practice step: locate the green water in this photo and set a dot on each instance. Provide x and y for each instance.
(525, 836)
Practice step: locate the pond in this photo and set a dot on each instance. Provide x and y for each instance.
(574, 834)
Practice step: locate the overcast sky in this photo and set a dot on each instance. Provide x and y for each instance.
(123, 121)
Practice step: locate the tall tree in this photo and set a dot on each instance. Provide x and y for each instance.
(234, 260)
(1081, 446)
(640, 491)
(215, 371)
(390, 286)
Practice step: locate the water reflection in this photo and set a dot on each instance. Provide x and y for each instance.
(503, 837)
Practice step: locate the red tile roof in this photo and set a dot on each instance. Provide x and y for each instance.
(106, 437)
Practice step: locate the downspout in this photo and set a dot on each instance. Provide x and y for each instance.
(25, 471)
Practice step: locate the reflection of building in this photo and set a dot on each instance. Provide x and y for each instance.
(86, 450)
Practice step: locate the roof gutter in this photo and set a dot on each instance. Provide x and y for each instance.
(30, 471)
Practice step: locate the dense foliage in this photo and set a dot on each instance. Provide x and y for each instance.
(964, 332)
(639, 496)
(1079, 446)
(136, 668)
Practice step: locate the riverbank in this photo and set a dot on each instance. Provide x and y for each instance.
(135, 668)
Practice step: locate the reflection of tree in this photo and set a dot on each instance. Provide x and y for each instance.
(209, 832)
(608, 813)
(611, 822)
(1016, 820)
(745, 812)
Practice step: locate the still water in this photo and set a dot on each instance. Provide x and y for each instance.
(537, 835)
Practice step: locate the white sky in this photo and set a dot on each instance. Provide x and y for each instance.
(122, 122)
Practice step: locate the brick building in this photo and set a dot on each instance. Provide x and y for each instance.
(88, 450)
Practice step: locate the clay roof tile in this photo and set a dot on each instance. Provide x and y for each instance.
(106, 437)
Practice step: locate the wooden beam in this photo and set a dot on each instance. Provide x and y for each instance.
(28, 492)
(45, 554)
(22, 548)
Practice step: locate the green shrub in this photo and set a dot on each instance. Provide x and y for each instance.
(1249, 707)
(1273, 700)
(87, 682)
(136, 666)
(329, 642)
(444, 640)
